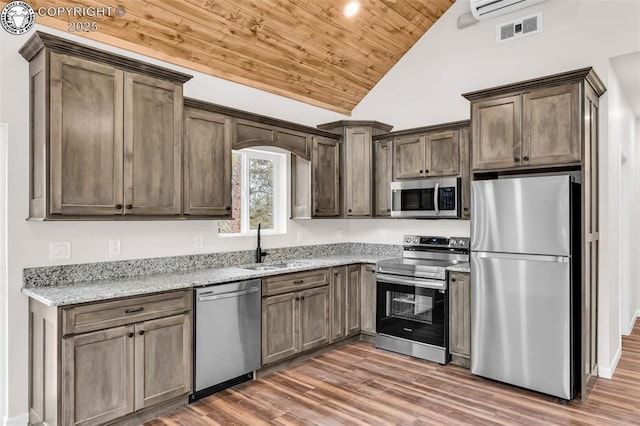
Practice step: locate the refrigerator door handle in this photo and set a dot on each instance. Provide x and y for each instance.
(436, 200)
(515, 256)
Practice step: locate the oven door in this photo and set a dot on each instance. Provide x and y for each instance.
(412, 309)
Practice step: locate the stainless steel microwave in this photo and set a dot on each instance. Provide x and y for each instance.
(426, 198)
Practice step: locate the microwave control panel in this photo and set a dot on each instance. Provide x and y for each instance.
(447, 197)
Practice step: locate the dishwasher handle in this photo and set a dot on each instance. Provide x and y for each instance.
(228, 295)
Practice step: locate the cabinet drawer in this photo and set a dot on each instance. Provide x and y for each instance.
(294, 282)
(98, 316)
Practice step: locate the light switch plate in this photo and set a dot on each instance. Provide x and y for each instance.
(198, 241)
(60, 250)
(114, 247)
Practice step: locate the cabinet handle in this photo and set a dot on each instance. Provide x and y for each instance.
(349, 210)
(129, 206)
(453, 279)
(141, 332)
(119, 206)
(516, 159)
(130, 335)
(132, 311)
(297, 298)
(228, 208)
(525, 158)
(301, 297)
(388, 210)
(421, 171)
(426, 171)
(298, 281)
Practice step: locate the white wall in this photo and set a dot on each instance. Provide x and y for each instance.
(425, 86)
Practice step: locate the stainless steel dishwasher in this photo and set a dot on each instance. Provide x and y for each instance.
(226, 336)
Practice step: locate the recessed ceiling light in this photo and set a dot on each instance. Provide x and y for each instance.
(351, 9)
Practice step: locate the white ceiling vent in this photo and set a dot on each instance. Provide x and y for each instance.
(518, 28)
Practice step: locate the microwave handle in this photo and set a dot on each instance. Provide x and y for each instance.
(436, 201)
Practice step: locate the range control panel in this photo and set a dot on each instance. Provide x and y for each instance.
(430, 241)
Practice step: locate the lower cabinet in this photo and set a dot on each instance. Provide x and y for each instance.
(460, 318)
(295, 321)
(345, 301)
(115, 359)
(368, 300)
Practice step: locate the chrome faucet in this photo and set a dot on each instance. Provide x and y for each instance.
(259, 253)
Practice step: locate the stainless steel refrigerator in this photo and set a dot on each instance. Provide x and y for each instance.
(523, 260)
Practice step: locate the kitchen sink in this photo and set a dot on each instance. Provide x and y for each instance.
(272, 266)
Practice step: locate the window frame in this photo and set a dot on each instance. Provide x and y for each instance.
(279, 160)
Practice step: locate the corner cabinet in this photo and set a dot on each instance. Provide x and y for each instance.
(105, 133)
(118, 360)
(460, 318)
(207, 161)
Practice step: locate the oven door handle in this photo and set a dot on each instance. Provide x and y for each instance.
(412, 282)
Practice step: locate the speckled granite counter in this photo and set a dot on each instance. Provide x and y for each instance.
(460, 267)
(92, 291)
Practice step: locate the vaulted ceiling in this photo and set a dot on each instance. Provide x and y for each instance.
(302, 49)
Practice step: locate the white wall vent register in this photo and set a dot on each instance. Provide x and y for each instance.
(486, 9)
(518, 28)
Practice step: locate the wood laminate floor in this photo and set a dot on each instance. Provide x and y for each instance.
(361, 385)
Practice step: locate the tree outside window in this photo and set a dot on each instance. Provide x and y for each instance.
(255, 192)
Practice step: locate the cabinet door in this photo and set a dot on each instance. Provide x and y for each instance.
(551, 126)
(325, 177)
(97, 376)
(496, 133)
(86, 137)
(280, 321)
(207, 164)
(152, 145)
(338, 309)
(383, 160)
(460, 314)
(163, 360)
(442, 153)
(409, 157)
(357, 171)
(368, 301)
(352, 300)
(315, 327)
(300, 188)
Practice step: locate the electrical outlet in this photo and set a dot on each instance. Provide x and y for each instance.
(60, 250)
(198, 241)
(299, 236)
(339, 234)
(114, 247)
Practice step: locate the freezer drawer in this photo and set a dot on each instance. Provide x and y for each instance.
(521, 322)
(522, 215)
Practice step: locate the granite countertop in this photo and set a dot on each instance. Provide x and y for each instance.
(460, 267)
(93, 291)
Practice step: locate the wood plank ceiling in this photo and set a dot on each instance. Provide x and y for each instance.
(302, 49)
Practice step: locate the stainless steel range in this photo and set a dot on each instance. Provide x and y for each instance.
(412, 302)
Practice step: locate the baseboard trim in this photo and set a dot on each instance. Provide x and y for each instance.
(21, 420)
(607, 372)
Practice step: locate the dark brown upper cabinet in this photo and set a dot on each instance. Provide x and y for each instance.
(531, 128)
(105, 133)
(383, 175)
(427, 155)
(325, 177)
(207, 161)
(357, 172)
